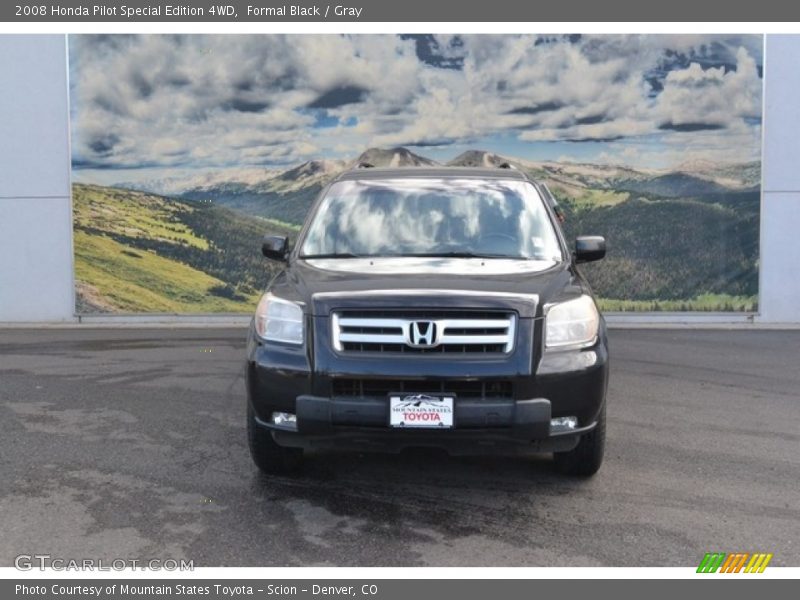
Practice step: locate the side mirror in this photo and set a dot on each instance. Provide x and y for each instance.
(275, 247)
(589, 248)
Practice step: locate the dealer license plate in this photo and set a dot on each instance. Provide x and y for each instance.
(433, 411)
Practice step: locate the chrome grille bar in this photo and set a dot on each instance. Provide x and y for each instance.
(450, 332)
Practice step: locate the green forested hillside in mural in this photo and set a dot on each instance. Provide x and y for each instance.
(137, 252)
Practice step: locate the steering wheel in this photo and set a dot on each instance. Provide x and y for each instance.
(498, 243)
(500, 236)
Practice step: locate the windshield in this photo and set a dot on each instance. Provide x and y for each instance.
(491, 218)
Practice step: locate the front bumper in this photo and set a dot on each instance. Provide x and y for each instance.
(484, 427)
(293, 380)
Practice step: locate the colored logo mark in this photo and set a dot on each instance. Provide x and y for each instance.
(736, 562)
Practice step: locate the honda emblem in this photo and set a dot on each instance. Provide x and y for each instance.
(422, 334)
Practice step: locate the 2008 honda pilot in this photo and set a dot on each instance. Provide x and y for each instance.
(429, 307)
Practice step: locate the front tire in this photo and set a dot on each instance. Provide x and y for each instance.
(585, 459)
(270, 457)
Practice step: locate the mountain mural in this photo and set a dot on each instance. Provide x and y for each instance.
(651, 140)
(679, 240)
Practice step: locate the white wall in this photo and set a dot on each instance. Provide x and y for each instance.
(36, 270)
(35, 208)
(779, 287)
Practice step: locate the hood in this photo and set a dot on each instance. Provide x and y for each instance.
(322, 285)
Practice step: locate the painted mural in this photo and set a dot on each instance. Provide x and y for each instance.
(188, 149)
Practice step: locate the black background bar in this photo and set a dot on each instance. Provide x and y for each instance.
(530, 11)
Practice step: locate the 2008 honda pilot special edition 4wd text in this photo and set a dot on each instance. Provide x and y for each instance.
(429, 307)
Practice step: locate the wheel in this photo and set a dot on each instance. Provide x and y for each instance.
(268, 455)
(585, 459)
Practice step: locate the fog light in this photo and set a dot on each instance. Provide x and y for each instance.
(587, 359)
(286, 420)
(563, 424)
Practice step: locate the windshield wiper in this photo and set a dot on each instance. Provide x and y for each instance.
(456, 254)
(331, 255)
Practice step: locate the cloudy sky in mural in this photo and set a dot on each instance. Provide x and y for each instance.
(187, 102)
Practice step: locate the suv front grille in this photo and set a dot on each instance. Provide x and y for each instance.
(401, 331)
(493, 388)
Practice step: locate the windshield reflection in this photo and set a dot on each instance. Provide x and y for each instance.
(432, 217)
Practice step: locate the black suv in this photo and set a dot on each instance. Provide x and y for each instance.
(429, 307)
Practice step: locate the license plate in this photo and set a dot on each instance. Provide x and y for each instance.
(431, 411)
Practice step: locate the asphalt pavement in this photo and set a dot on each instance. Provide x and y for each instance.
(131, 444)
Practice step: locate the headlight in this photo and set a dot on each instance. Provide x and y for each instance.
(279, 320)
(571, 324)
